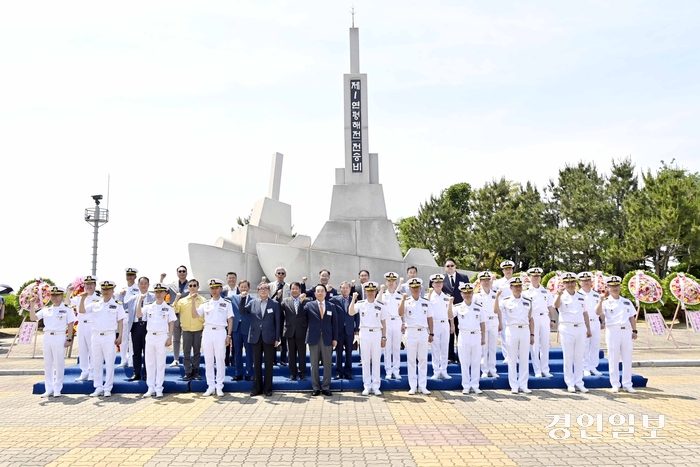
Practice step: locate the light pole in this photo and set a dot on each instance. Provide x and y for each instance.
(96, 217)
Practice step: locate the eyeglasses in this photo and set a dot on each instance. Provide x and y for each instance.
(281, 273)
(263, 288)
(192, 286)
(182, 271)
(449, 265)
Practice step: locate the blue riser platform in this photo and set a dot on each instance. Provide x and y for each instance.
(174, 384)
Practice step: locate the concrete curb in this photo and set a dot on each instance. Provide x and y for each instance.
(21, 372)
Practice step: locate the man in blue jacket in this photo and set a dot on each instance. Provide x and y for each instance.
(322, 336)
(241, 327)
(264, 336)
(348, 328)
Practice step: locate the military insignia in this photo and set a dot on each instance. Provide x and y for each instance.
(113, 307)
(377, 307)
(410, 312)
(581, 299)
(165, 308)
(118, 302)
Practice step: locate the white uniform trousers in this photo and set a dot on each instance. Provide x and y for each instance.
(54, 360)
(440, 345)
(85, 348)
(619, 342)
(469, 349)
(214, 350)
(126, 349)
(155, 361)
(103, 353)
(417, 348)
(488, 351)
(540, 349)
(504, 340)
(392, 350)
(591, 356)
(573, 344)
(371, 356)
(518, 343)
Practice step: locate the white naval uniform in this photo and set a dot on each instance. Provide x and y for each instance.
(541, 299)
(126, 350)
(618, 338)
(371, 317)
(572, 329)
(503, 285)
(470, 318)
(158, 318)
(441, 329)
(591, 353)
(488, 352)
(56, 320)
(105, 324)
(84, 331)
(416, 314)
(517, 312)
(216, 314)
(392, 350)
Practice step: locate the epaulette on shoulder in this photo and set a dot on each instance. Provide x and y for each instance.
(361, 301)
(526, 298)
(380, 302)
(227, 299)
(95, 300)
(119, 302)
(478, 303)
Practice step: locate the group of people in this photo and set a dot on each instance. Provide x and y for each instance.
(234, 327)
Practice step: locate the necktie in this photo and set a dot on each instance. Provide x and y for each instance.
(296, 304)
(452, 281)
(320, 308)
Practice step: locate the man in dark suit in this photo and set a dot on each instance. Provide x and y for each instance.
(230, 290)
(451, 288)
(279, 290)
(362, 277)
(322, 336)
(264, 335)
(324, 277)
(295, 326)
(241, 327)
(348, 328)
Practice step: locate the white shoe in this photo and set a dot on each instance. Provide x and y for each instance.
(435, 377)
(446, 376)
(98, 392)
(389, 376)
(538, 375)
(121, 365)
(424, 391)
(586, 373)
(505, 361)
(411, 392)
(377, 392)
(365, 392)
(615, 389)
(57, 394)
(546, 374)
(46, 394)
(596, 372)
(208, 392)
(571, 389)
(514, 391)
(493, 374)
(159, 394)
(81, 378)
(108, 393)
(465, 391)
(526, 390)
(477, 390)
(629, 389)
(220, 392)
(484, 375)
(148, 394)
(175, 363)
(582, 388)
(91, 378)
(397, 376)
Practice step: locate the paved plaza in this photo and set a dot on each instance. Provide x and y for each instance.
(444, 428)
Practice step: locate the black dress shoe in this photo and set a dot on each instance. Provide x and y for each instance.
(135, 378)
(248, 378)
(450, 362)
(283, 363)
(268, 393)
(316, 393)
(197, 377)
(337, 377)
(187, 378)
(349, 377)
(237, 378)
(302, 378)
(327, 392)
(255, 393)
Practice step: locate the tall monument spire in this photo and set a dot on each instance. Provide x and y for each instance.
(358, 168)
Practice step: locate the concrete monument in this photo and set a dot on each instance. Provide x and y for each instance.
(358, 234)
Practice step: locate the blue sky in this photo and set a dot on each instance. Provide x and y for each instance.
(183, 104)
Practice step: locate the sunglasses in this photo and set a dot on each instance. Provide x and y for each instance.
(449, 265)
(182, 271)
(192, 286)
(281, 273)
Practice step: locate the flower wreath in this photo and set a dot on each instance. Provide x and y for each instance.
(690, 286)
(644, 289)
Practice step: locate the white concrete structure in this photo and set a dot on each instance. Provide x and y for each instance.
(358, 234)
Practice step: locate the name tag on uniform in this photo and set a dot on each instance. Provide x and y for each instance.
(377, 307)
(222, 305)
(425, 305)
(113, 307)
(269, 310)
(61, 311)
(164, 309)
(329, 313)
(397, 298)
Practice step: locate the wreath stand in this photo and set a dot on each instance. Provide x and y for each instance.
(34, 331)
(656, 325)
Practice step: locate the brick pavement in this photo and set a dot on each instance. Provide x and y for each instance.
(444, 428)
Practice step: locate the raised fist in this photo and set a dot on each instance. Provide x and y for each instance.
(302, 297)
(354, 295)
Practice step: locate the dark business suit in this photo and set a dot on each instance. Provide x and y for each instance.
(274, 287)
(295, 335)
(320, 334)
(230, 358)
(264, 331)
(449, 290)
(241, 327)
(347, 327)
(310, 292)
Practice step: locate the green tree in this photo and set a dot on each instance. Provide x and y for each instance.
(622, 184)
